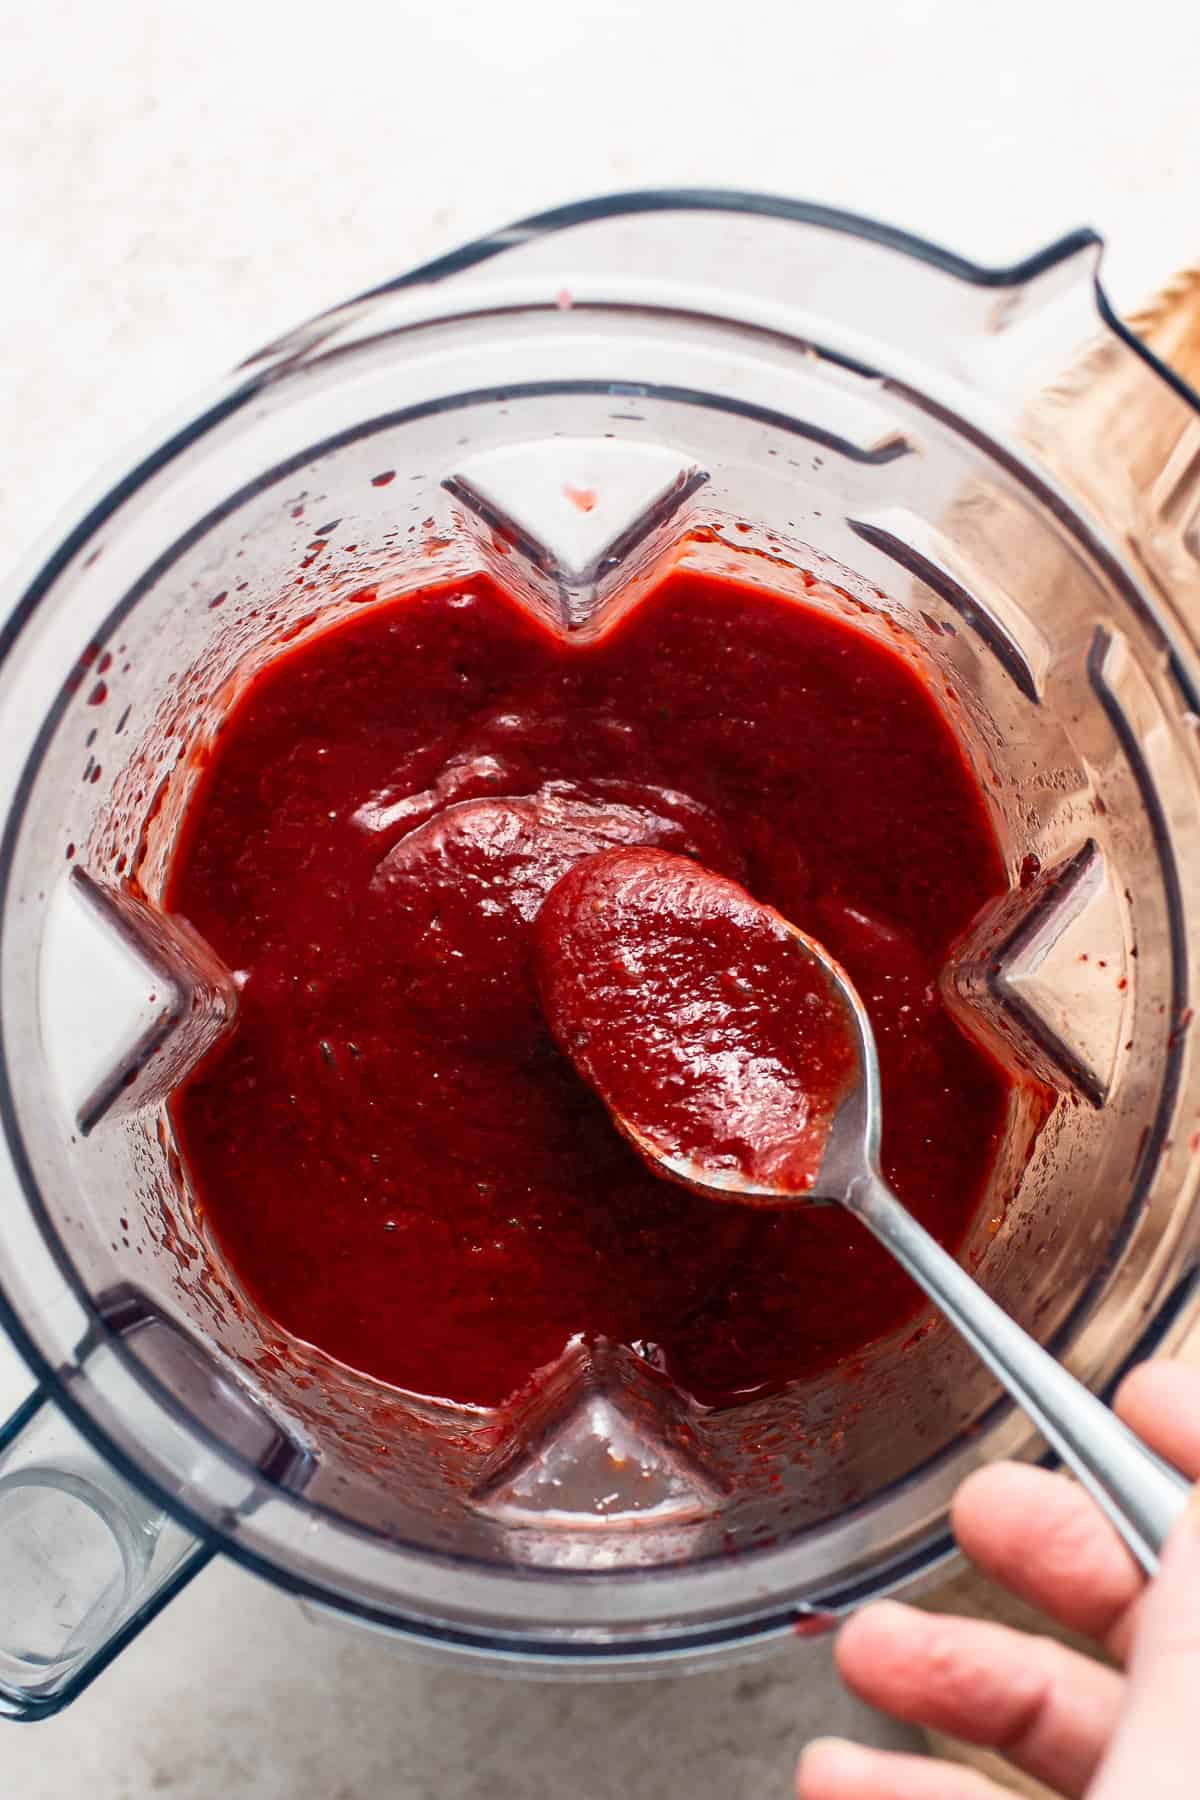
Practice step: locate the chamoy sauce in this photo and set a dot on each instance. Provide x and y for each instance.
(395, 1157)
(709, 1029)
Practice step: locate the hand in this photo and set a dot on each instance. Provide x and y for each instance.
(1081, 1728)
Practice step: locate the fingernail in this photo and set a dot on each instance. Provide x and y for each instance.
(1185, 1534)
(890, 1609)
(832, 1749)
(890, 1615)
(822, 1758)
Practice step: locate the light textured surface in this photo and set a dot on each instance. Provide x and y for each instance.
(232, 1697)
(178, 183)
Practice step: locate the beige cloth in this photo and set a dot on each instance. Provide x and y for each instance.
(1170, 324)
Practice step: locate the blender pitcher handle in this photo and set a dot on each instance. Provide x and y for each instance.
(86, 1561)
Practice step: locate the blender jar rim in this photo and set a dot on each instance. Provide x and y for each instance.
(227, 399)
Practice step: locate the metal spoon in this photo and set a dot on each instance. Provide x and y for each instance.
(1140, 1493)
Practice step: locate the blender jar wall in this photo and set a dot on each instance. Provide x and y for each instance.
(859, 457)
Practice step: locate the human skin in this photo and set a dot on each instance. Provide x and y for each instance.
(1084, 1729)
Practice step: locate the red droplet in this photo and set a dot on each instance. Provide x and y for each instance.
(814, 1624)
(99, 694)
(383, 480)
(583, 498)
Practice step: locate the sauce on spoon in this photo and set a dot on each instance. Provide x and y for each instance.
(697, 1015)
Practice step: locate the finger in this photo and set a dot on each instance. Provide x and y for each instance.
(1040, 1536)
(832, 1769)
(1161, 1402)
(1156, 1748)
(1047, 1708)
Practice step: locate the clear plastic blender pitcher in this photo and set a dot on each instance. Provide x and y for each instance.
(983, 459)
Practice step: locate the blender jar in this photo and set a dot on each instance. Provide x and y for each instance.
(982, 461)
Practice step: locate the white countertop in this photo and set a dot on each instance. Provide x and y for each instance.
(180, 182)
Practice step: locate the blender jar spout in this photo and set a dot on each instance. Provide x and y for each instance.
(86, 1561)
(88, 1556)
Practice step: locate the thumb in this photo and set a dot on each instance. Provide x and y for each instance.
(1156, 1746)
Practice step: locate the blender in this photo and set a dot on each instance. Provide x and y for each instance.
(983, 462)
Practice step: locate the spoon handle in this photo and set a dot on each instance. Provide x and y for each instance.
(1140, 1494)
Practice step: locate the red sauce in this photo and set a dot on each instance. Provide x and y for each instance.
(707, 1026)
(395, 1158)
